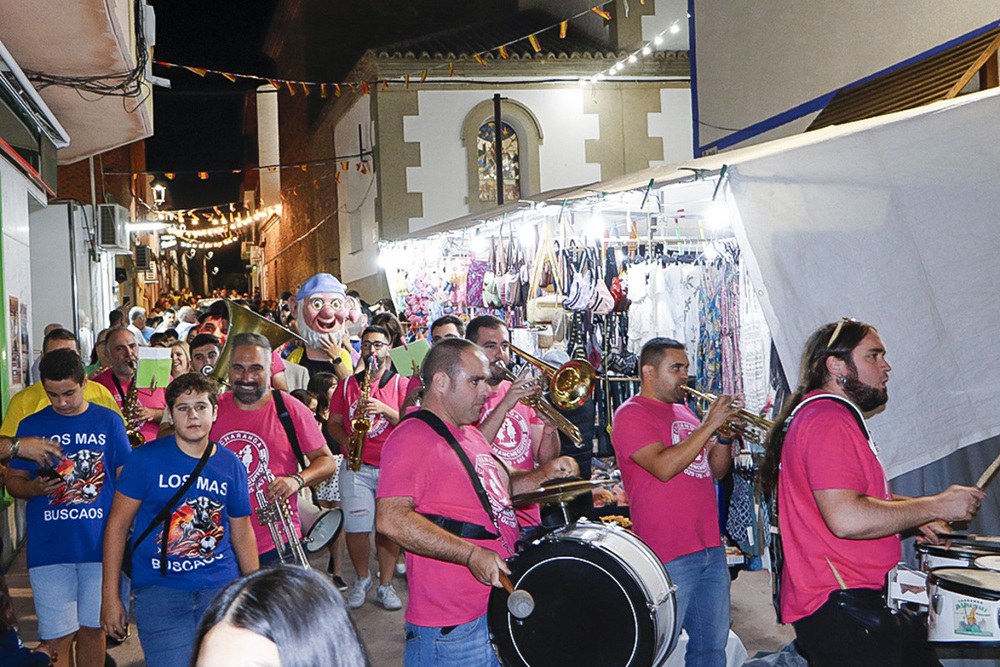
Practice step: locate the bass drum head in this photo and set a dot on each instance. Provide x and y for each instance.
(589, 610)
(324, 530)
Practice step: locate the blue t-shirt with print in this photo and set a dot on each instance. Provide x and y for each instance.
(199, 550)
(68, 526)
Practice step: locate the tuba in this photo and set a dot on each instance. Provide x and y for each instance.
(276, 516)
(130, 408)
(361, 423)
(244, 320)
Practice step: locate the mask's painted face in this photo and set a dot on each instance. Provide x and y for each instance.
(325, 312)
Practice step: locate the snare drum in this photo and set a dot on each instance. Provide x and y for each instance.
(599, 584)
(964, 606)
(988, 563)
(932, 556)
(327, 526)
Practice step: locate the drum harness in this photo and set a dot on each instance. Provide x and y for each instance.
(464, 529)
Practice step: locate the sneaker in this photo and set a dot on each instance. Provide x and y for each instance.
(339, 582)
(356, 597)
(400, 568)
(387, 597)
(330, 569)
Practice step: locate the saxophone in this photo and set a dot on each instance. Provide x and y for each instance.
(361, 422)
(130, 407)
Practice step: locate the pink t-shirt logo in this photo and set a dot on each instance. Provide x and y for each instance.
(489, 474)
(379, 422)
(699, 467)
(253, 453)
(513, 441)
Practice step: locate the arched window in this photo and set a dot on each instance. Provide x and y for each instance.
(510, 170)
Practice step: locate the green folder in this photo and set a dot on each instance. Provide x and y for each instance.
(407, 357)
(154, 366)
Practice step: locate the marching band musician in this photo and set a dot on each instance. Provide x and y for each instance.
(123, 353)
(427, 503)
(357, 489)
(249, 425)
(668, 461)
(446, 326)
(520, 436)
(839, 522)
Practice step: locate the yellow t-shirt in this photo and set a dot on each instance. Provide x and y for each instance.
(33, 398)
(296, 356)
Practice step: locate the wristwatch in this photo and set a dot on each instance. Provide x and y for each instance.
(15, 447)
(336, 360)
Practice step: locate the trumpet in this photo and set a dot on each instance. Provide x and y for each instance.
(277, 517)
(539, 404)
(754, 427)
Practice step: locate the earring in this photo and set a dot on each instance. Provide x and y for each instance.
(841, 380)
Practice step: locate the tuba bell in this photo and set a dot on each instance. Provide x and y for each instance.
(244, 320)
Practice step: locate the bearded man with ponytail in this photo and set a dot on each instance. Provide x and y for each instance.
(840, 524)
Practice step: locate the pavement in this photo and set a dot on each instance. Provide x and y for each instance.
(382, 631)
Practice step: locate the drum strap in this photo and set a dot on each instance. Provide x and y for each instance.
(464, 529)
(432, 420)
(286, 423)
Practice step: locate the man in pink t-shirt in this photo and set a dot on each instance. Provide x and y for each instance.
(839, 522)
(249, 425)
(519, 435)
(123, 353)
(668, 461)
(357, 488)
(446, 326)
(426, 499)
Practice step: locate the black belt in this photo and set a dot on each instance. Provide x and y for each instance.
(463, 529)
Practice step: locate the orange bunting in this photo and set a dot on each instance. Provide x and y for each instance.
(364, 169)
(197, 70)
(336, 176)
(291, 88)
(479, 59)
(203, 175)
(534, 43)
(345, 165)
(304, 167)
(600, 12)
(423, 76)
(406, 78)
(316, 184)
(351, 86)
(365, 88)
(217, 211)
(230, 77)
(305, 89)
(503, 52)
(451, 69)
(385, 84)
(170, 175)
(563, 27)
(336, 89)
(275, 83)
(322, 91)
(358, 166)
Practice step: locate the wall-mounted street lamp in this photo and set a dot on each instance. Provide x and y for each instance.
(159, 194)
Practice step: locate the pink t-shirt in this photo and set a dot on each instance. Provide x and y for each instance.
(150, 398)
(825, 449)
(676, 517)
(258, 438)
(277, 363)
(389, 389)
(419, 464)
(513, 441)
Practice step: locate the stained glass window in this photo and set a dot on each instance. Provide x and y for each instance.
(487, 163)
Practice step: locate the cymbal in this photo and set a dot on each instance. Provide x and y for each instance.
(559, 492)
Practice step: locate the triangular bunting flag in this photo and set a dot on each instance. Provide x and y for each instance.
(227, 75)
(451, 69)
(479, 59)
(385, 84)
(534, 43)
(305, 89)
(563, 27)
(423, 76)
(406, 78)
(304, 167)
(170, 175)
(503, 52)
(365, 88)
(336, 176)
(203, 175)
(336, 89)
(197, 70)
(322, 90)
(600, 12)
(291, 88)
(351, 86)
(345, 165)
(275, 83)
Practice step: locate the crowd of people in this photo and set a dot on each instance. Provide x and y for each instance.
(157, 498)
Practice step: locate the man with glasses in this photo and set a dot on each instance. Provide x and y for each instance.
(840, 522)
(357, 489)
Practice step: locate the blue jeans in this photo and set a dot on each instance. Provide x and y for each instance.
(167, 620)
(702, 580)
(466, 645)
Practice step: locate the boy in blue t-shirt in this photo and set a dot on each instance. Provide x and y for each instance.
(68, 507)
(209, 541)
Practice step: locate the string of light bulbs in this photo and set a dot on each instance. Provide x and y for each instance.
(645, 50)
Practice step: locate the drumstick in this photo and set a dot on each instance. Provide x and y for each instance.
(520, 604)
(984, 479)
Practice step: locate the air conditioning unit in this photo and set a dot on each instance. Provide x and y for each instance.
(112, 231)
(149, 275)
(256, 254)
(143, 257)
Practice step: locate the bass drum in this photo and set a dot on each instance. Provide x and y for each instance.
(601, 596)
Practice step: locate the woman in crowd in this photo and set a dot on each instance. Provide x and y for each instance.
(279, 617)
(180, 359)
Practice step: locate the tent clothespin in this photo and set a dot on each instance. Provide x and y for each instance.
(649, 188)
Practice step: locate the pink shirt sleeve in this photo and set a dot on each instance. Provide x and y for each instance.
(634, 428)
(830, 464)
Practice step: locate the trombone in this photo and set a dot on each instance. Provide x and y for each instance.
(570, 385)
(754, 427)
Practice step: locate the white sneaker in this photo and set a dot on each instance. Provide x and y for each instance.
(359, 589)
(387, 597)
(400, 568)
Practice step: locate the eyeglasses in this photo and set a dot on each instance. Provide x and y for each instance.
(836, 331)
(375, 345)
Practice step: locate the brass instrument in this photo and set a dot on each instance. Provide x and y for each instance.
(130, 408)
(244, 320)
(539, 404)
(361, 422)
(570, 385)
(754, 427)
(277, 517)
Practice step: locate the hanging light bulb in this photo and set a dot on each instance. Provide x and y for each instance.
(633, 58)
(646, 50)
(658, 40)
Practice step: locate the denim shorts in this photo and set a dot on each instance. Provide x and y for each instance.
(167, 620)
(67, 597)
(357, 498)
